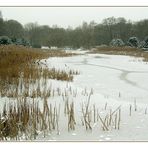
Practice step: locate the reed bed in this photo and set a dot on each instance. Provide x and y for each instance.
(20, 66)
(23, 77)
(14, 59)
(69, 111)
(111, 120)
(24, 119)
(129, 51)
(91, 114)
(87, 114)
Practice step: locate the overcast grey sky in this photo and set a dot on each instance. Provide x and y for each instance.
(71, 16)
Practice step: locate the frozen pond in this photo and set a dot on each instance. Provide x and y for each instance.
(109, 75)
(117, 80)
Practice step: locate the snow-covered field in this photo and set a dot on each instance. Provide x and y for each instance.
(115, 81)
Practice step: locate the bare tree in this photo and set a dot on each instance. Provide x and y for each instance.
(1, 16)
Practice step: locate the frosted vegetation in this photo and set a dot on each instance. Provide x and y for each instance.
(133, 42)
(117, 43)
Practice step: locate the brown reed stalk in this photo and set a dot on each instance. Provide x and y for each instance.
(97, 115)
(94, 113)
(110, 117)
(119, 94)
(57, 119)
(86, 120)
(71, 117)
(116, 110)
(90, 116)
(105, 106)
(92, 91)
(135, 105)
(145, 111)
(116, 121)
(63, 97)
(130, 110)
(82, 121)
(86, 114)
(119, 118)
(54, 118)
(104, 127)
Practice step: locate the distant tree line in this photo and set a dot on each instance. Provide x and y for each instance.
(109, 32)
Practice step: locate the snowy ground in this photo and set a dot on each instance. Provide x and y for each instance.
(115, 80)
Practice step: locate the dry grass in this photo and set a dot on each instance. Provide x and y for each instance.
(20, 64)
(87, 114)
(69, 111)
(111, 120)
(26, 118)
(129, 51)
(23, 77)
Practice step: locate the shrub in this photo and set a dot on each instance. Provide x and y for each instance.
(4, 40)
(117, 42)
(20, 41)
(133, 42)
(145, 45)
(141, 44)
(25, 42)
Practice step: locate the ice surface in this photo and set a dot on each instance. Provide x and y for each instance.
(117, 80)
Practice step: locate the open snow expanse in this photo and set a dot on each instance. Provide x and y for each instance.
(115, 81)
